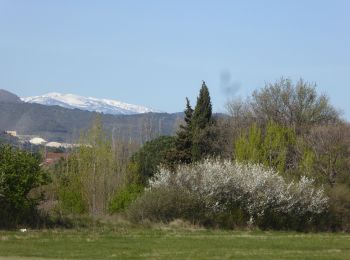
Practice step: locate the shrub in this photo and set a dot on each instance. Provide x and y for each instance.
(20, 173)
(340, 207)
(144, 163)
(165, 205)
(222, 192)
(124, 197)
(71, 202)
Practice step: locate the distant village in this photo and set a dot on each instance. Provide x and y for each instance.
(49, 157)
(37, 140)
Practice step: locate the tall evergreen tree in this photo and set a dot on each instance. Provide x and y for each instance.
(183, 141)
(202, 115)
(201, 122)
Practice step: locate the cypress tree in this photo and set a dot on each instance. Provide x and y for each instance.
(183, 141)
(202, 115)
(196, 137)
(201, 121)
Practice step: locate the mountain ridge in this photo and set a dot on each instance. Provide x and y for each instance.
(57, 123)
(8, 97)
(92, 104)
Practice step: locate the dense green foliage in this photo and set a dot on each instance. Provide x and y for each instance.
(271, 148)
(196, 138)
(200, 123)
(20, 173)
(145, 162)
(183, 142)
(124, 197)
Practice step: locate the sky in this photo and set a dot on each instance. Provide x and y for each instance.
(156, 53)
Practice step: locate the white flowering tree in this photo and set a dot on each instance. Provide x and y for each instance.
(254, 188)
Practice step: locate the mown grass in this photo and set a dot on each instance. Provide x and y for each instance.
(160, 243)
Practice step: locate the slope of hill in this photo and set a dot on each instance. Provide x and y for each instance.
(55, 123)
(8, 97)
(106, 106)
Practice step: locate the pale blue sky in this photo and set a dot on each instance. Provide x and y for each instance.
(155, 53)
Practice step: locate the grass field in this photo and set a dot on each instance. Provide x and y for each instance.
(171, 244)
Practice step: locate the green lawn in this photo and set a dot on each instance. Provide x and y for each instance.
(172, 244)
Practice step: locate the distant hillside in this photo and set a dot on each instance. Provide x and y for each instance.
(8, 97)
(56, 123)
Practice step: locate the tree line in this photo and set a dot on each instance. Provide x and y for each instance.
(286, 127)
(283, 141)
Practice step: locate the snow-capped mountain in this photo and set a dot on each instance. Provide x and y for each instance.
(106, 106)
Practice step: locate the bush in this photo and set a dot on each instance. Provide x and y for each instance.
(229, 194)
(165, 205)
(20, 173)
(124, 197)
(71, 202)
(340, 207)
(144, 163)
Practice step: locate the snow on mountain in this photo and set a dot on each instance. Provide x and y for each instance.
(106, 106)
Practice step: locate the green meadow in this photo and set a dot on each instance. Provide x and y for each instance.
(167, 243)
